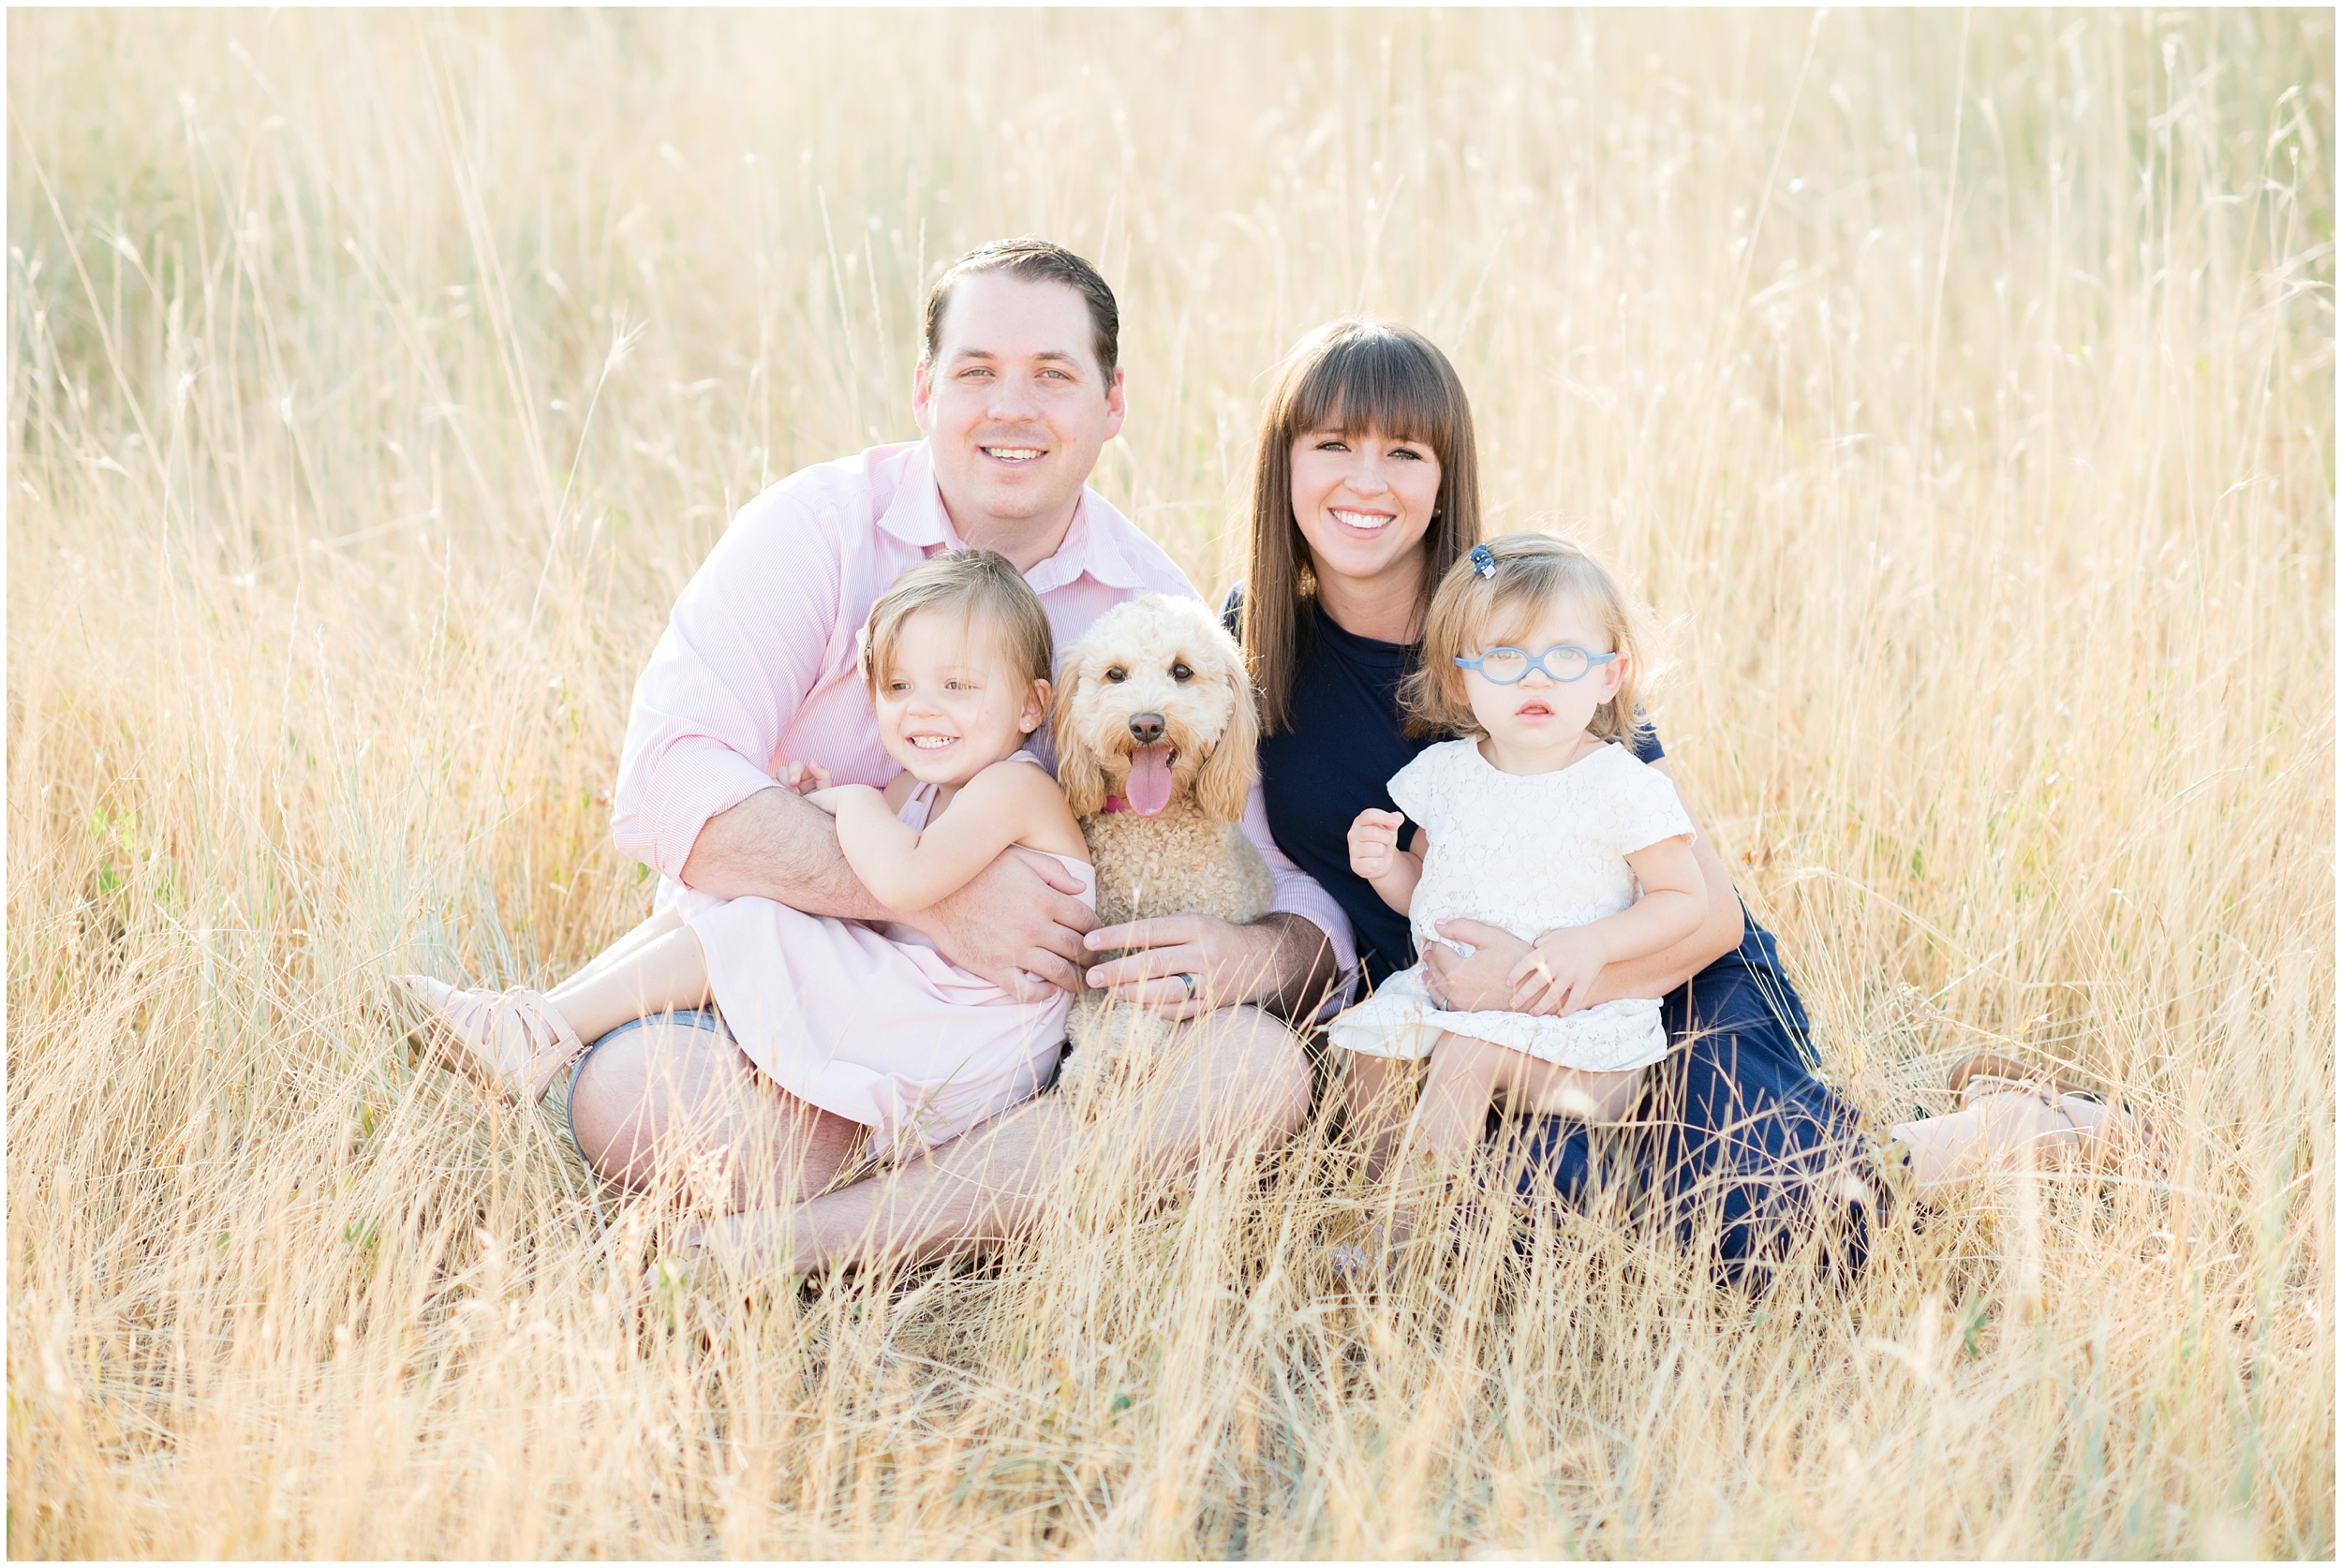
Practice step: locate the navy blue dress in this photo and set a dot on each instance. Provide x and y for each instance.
(1738, 1146)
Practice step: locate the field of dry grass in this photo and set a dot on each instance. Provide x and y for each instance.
(1960, 390)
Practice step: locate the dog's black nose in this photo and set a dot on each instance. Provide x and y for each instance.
(1146, 728)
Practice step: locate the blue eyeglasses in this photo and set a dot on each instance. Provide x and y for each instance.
(1562, 662)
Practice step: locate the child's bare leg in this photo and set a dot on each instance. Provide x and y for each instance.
(664, 972)
(1378, 1094)
(1548, 1090)
(520, 1040)
(1469, 1075)
(657, 926)
(1459, 1084)
(1464, 1077)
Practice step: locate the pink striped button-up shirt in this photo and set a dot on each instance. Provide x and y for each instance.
(756, 667)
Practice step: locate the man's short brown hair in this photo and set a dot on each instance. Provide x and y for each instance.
(1036, 262)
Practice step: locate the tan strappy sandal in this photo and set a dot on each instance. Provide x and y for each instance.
(513, 1041)
(2123, 1136)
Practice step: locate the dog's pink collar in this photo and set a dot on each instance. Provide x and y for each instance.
(1116, 803)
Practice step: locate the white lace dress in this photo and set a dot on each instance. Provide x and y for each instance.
(1530, 853)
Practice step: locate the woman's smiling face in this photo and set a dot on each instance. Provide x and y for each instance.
(1364, 501)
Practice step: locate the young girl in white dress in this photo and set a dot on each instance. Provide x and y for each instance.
(868, 1022)
(1541, 822)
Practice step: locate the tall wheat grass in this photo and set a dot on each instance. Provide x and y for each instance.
(1960, 390)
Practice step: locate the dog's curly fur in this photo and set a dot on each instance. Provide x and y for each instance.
(1190, 858)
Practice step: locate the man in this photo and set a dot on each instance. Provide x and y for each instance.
(1016, 390)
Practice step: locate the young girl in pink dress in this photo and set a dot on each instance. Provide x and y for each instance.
(868, 1022)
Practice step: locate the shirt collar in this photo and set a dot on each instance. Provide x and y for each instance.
(1094, 546)
(917, 514)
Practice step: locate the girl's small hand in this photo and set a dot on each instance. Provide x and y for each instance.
(806, 777)
(828, 797)
(1556, 976)
(1375, 843)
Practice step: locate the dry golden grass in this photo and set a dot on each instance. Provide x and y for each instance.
(1960, 390)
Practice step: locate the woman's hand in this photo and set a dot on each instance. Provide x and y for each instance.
(1375, 843)
(1556, 976)
(1480, 983)
(1230, 964)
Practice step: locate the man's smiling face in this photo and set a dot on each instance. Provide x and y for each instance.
(1016, 407)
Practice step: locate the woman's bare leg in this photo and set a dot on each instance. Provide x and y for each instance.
(678, 1110)
(1994, 1134)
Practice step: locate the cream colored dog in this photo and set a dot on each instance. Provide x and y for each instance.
(1156, 740)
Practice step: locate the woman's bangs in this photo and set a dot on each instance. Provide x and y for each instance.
(1377, 380)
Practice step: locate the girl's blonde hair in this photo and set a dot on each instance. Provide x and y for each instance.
(983, 584)
(1469, 613)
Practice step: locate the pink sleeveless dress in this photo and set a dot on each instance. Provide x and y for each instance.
(870, 1022)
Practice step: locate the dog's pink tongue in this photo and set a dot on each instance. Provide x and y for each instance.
(1149, 787)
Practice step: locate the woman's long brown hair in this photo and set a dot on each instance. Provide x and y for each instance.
(1352, 375)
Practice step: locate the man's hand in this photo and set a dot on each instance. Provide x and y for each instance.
(1232, 964)
(1018, 924)
(1556, 976)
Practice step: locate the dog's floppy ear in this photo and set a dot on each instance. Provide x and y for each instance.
(1078, 770)
(1225, 779)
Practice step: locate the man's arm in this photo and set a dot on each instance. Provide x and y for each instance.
(1018, 918)
(746, 642)
(776, 845)
(1302, 962)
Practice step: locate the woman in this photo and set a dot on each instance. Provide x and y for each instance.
(1366, 491)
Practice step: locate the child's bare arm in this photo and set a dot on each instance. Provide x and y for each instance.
(1008, 803)
(1376, 855)
(1557, 975)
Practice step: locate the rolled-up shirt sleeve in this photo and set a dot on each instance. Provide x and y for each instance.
(1297, 891)
(742, 650)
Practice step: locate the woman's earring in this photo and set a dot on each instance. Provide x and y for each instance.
(1305, 582)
